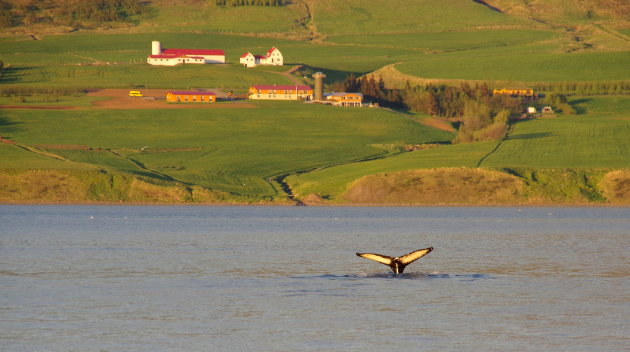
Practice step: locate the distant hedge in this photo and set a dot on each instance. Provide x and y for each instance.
(234, 3)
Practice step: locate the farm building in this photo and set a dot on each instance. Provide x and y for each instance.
(286, 92)
(547, 110)
(273, 58)
(190, 97)
(172, 57)
(345, 99)
(515, 92)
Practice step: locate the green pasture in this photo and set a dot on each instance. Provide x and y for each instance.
(448, 41)
(598, 139)
(233, 150)
(49, 99)
(14, 157)
(132, 48)
(205, 16)
(119, 61)
(114, 61)
(128, 76)
(525, 64)
(383, 16)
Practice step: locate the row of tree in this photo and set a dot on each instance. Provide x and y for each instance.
(235, 3)
(68, 12)
(586, 88)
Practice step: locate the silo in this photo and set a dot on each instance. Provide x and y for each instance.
(318, 94)
(156, 48)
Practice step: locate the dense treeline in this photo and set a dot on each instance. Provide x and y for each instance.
(481, 116)
(68, 12)
(234, 3)
(30, 91)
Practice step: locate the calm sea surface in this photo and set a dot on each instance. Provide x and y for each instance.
(144, 278)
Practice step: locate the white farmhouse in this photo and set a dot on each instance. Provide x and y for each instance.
(172, 57)
(273, 58)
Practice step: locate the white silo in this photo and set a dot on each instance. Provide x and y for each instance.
(156, 48)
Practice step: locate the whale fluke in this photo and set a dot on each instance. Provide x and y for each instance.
(397, 264)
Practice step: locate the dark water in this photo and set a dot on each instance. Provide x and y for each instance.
(117, 278)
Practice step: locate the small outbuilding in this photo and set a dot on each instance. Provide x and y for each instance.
(177, 96)
(531, 110)
(547, 110)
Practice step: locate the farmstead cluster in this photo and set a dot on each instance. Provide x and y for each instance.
(172, 57)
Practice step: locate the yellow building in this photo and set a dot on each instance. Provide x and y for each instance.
(345, 99)
(517, 92)
(283, 92)
(191, 97)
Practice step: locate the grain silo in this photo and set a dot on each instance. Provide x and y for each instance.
(156, 48)
(318, 94)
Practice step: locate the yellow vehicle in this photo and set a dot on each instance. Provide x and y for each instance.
(135, 93)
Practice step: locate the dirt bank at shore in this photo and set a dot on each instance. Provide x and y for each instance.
(433, 187)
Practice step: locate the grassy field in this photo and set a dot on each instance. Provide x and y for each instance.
(377, 16)
(598, 139)
(525, 64)
(448, 41)
(233, 150)
(205, 16)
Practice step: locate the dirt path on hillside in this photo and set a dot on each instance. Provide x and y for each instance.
(156, 99)
(289, 74)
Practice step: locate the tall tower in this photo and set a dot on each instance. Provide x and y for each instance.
(318, 93)
(156, 48)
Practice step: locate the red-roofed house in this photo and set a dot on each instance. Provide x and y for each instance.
(172, 57)
(285, 92)
(273, 58)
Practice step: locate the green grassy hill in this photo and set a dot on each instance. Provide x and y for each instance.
(227, 149)
(228, 154)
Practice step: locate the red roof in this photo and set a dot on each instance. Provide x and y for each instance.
(195, 52)
(271, 51)
(245, 55)
(284, 87)
(188, 92)
(163, 56)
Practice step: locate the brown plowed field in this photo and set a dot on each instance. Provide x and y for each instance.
(154, 99)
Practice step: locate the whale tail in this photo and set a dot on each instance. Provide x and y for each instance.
(397, 264)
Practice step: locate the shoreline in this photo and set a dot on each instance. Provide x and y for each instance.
(329, 205)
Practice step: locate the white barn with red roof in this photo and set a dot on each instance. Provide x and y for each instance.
(172, 57)
(272, 58)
